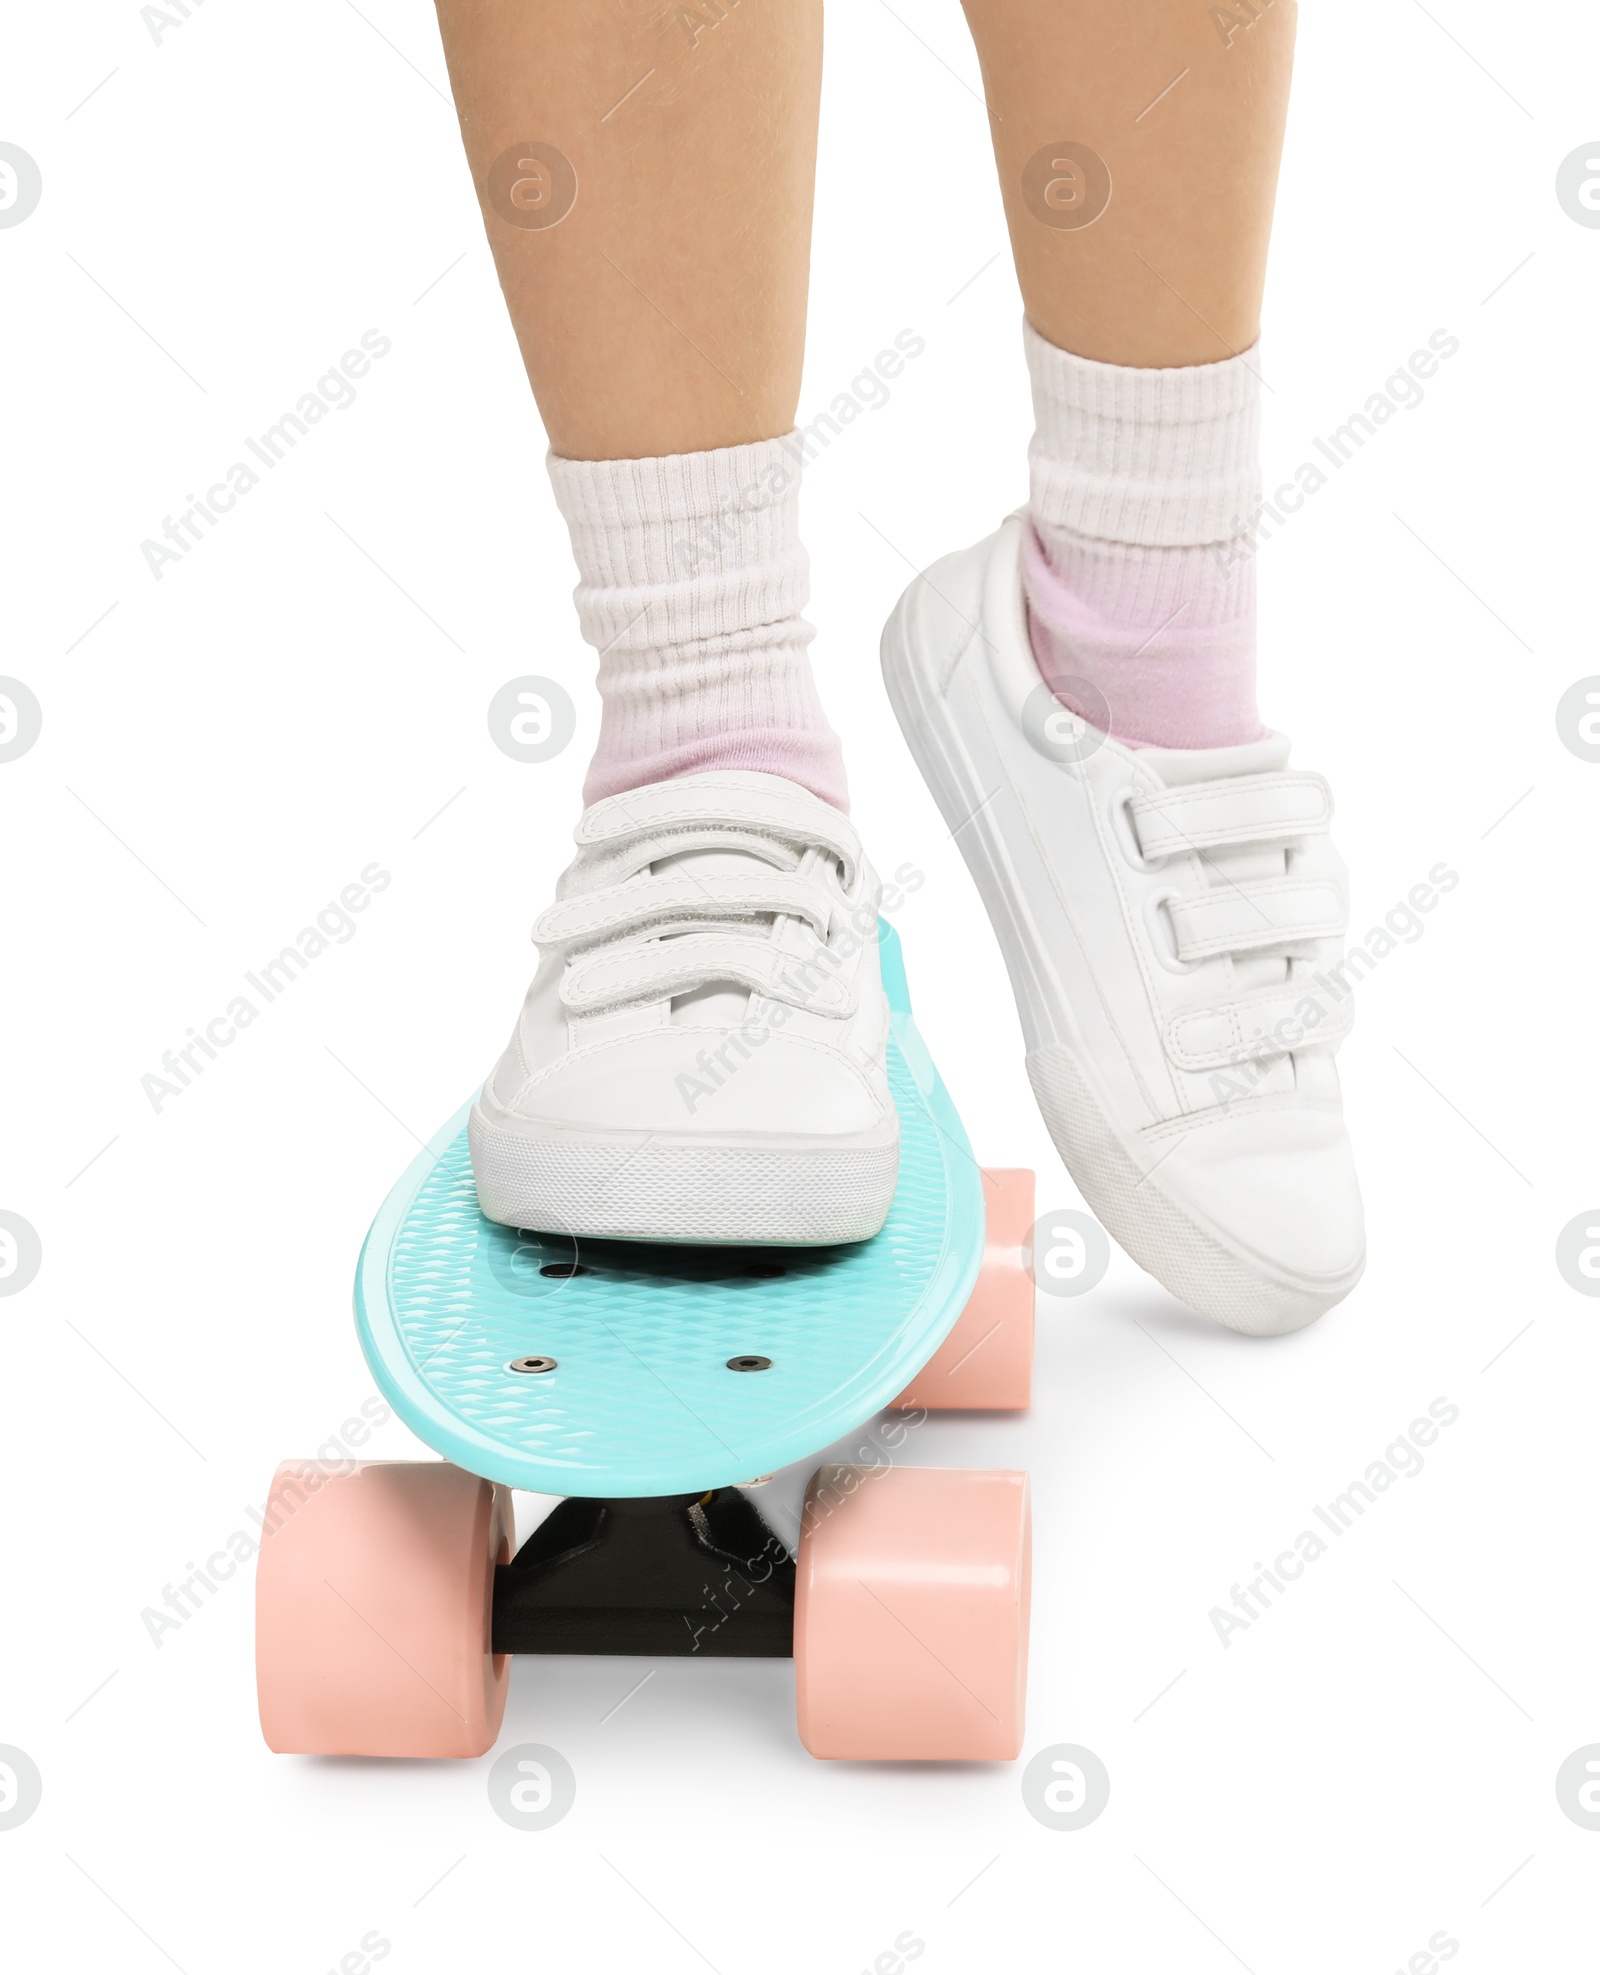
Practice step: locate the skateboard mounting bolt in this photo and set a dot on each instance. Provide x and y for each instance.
(563, 1270)
(531, 1365)
(749, 1364)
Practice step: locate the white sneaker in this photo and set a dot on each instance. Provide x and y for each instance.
(1169, 920)
(701, 1054)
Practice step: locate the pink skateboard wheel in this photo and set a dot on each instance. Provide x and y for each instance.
(374, 1597)
(986, 1362)
(911, 1614)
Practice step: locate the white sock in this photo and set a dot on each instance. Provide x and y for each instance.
(1142, 618)
(692, 581)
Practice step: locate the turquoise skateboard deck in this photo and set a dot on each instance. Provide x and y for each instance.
(610, 1368)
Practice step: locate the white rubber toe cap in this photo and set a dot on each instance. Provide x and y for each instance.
(710, 1082)
(1278, 1187)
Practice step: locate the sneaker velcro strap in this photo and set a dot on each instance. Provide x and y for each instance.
(704, 802)
(659, 969)
(1260, 1026)
(682, 895)
(1241, 810)
(1255, 914)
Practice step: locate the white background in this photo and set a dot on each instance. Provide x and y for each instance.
(224, 750)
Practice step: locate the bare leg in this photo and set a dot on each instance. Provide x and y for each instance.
(665, 312)
(1171, 272)
(646, 176)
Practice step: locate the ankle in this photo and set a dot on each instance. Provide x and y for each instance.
(1156, 646)
(692, 586)
(1140, 617)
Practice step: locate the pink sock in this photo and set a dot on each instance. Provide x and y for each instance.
(1142, 620)
(692, 581)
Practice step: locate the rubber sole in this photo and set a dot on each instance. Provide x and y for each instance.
(639, 1188)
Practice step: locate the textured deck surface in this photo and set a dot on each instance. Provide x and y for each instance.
(642, 1400)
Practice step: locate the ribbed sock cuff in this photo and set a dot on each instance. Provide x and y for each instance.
(1153, 458)
(692, 547)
